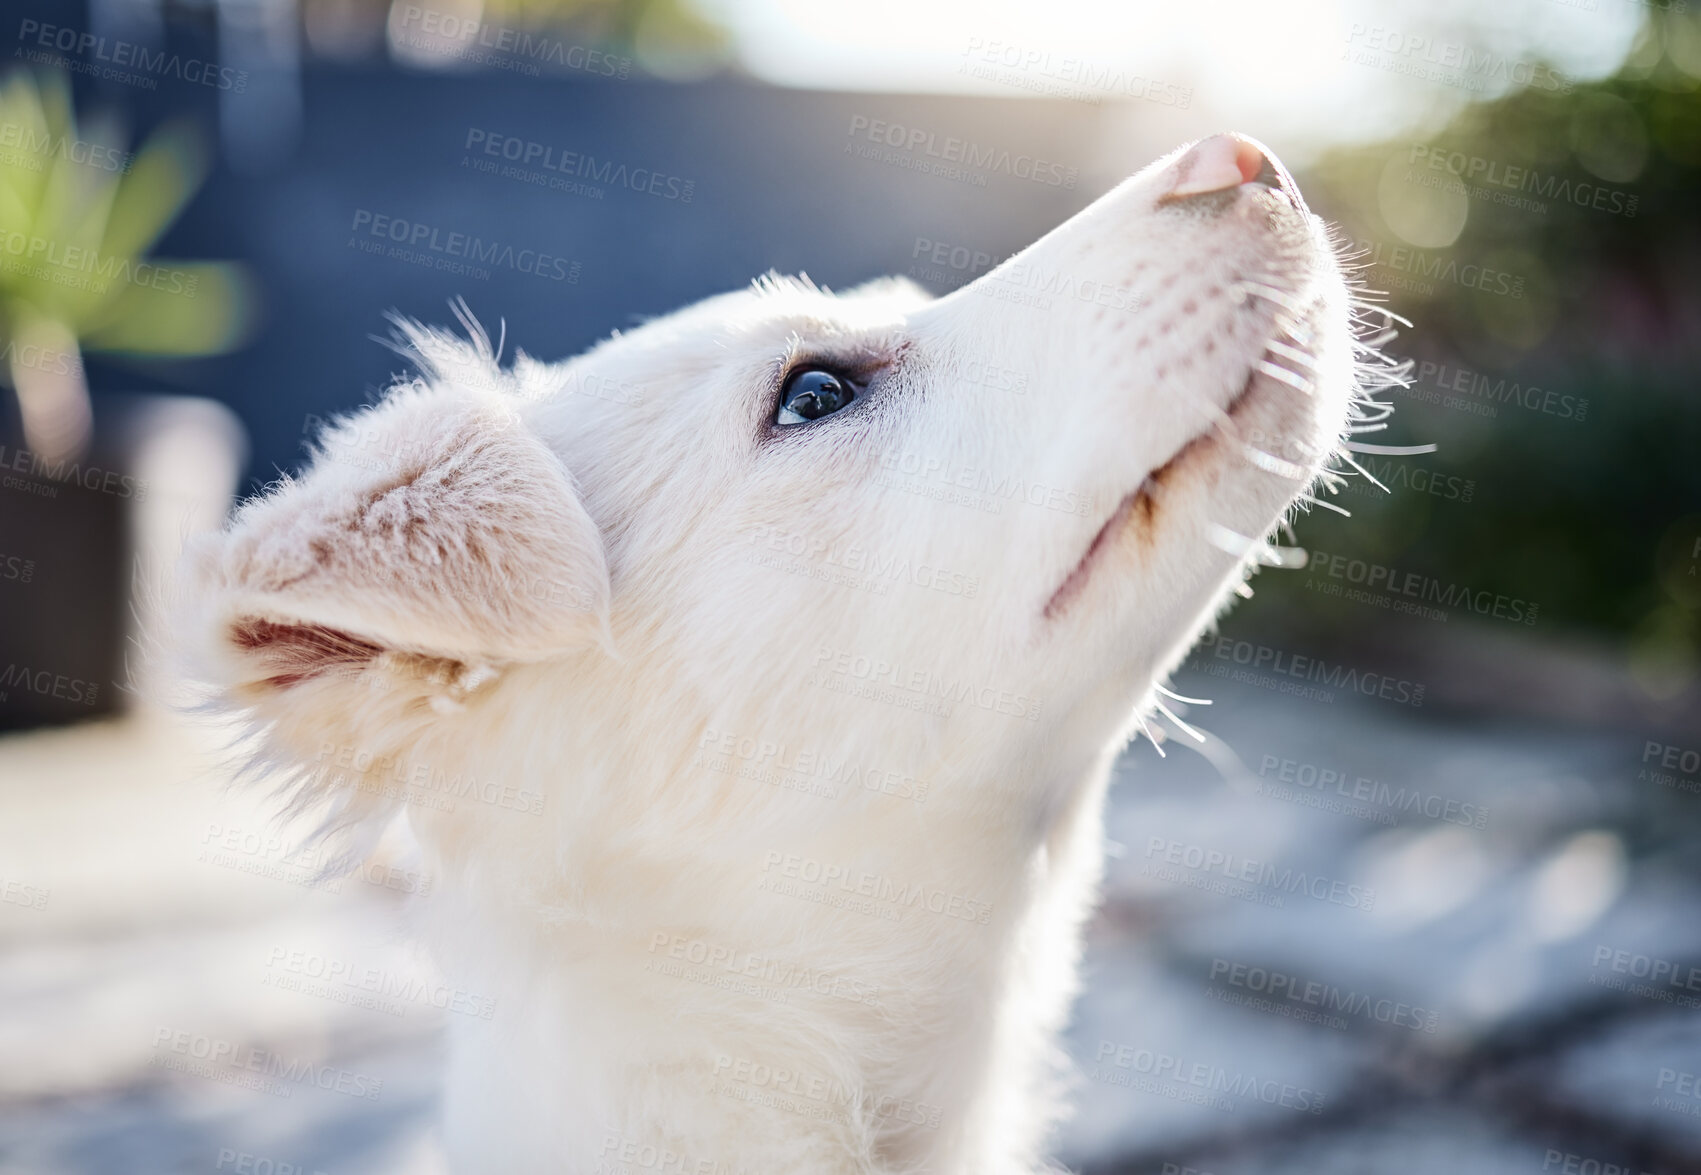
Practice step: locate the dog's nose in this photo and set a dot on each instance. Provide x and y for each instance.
(1223, 162)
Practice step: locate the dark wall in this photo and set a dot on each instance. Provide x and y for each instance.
(775, 181)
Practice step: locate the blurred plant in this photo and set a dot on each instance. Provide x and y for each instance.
(1589, 197)
(77, 218)
(677, 40)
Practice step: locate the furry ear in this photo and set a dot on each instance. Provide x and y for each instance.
(435, 526)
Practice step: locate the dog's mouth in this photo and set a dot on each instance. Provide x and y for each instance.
(1141, 506)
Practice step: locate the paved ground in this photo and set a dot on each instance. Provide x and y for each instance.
(1466, 1016)
(1354, 937)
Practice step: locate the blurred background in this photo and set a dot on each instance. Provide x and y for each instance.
(208, 207)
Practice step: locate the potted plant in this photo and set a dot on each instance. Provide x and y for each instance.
(79, 216)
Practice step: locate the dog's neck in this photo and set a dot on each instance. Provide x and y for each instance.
(810, 993)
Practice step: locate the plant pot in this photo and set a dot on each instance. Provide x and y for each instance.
(84, 545)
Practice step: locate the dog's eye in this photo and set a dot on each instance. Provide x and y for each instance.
(810, 394)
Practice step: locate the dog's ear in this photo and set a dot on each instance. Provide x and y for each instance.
(434, 529)
(349, 614)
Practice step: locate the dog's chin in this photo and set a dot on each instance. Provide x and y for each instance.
(1230, 461)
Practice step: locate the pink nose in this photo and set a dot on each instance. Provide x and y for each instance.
(1222, 162)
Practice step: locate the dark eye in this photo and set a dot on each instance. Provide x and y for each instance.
(810, 394)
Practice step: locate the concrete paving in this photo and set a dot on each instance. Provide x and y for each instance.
(1344, 936)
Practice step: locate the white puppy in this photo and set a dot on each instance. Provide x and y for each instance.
(752, 681)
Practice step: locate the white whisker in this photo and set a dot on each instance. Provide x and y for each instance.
(1302, 357)
(1169, 693)
(1171, 715)
(1326, 505)
(1378, 308)
(1284, 375)
(1150, 737)
(1271, 294)
(1390, 450)
(1270, 463)
(1365, 473)
(1286, 558)
(1387, 410)
(1228, 540)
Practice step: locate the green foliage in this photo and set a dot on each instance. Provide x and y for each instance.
(1553, 247)
(78, 217)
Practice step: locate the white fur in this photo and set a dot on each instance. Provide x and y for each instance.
(559, 578)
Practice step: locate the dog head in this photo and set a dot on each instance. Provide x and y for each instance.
(962, 536)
